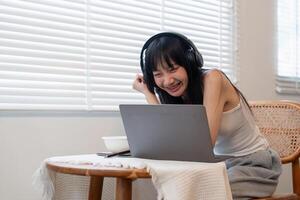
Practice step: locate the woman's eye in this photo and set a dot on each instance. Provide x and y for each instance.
(156, 74)
(172, 69)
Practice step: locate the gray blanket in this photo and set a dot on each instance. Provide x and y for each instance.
(254, 175)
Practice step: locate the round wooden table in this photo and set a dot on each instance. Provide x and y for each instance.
(124, 177)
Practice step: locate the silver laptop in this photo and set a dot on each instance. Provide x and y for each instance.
(168, 132)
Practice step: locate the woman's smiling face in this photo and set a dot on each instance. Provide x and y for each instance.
(173, 80)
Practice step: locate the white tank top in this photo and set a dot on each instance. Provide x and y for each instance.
(238, 134)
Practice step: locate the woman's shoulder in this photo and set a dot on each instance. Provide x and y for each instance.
(213, 76)
(214, 79)
(213, 83)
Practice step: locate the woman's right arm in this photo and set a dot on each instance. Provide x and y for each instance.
(139, 85)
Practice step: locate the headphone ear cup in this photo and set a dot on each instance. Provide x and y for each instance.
(198, 59)
(194, 58)
(190, 57)
(142, 60)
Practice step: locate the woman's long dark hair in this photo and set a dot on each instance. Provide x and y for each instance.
(165, 50)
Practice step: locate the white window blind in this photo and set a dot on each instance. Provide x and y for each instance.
(84, 54)
(43, 54)
(288, 47)
(210, 25)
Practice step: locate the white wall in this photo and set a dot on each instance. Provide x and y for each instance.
(257, 50)
(28, 138)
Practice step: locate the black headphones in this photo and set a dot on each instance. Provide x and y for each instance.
(193, 55)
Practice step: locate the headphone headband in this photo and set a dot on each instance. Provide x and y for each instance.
(169, 34)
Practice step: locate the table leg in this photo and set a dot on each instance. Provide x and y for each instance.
(95, 191)
(123, 189)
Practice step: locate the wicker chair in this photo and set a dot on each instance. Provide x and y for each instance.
(279, 121)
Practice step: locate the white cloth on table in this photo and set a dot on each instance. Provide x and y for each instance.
(173, 180)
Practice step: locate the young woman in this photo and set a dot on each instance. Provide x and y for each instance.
(172, 70)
